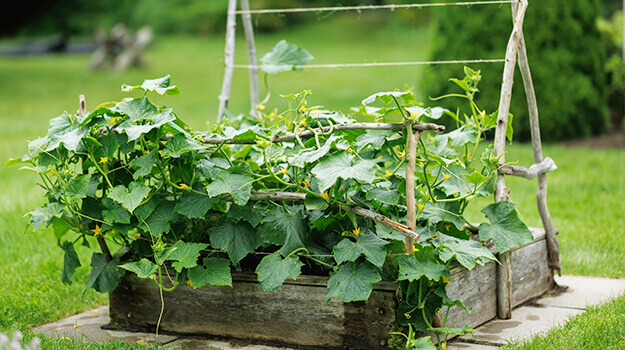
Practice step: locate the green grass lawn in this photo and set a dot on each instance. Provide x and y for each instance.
(585, 193)
(600, 327)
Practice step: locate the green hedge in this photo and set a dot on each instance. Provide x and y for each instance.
(565, 55)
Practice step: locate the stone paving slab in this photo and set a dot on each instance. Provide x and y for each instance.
(87, 326)
(216, 345)
(469, 346)
(525, 322)
(583, 291)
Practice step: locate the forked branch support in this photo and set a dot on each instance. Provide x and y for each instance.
(546, 166)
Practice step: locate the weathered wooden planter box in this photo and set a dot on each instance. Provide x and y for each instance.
(294, 314)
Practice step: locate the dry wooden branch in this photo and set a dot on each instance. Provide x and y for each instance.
(411, 218)
(82, 109)
(504, 271)
(546, 166)
(229, 56)
(248, 29)
(327, 129)
(366, 213)
(541, 193)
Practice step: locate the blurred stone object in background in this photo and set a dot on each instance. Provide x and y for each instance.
(120, 49)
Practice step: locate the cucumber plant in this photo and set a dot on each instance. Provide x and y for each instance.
(131, 181)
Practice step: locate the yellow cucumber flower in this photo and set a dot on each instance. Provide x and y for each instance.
(97, 231)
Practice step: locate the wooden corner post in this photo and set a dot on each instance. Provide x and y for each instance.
(541, 193)
(504, 280)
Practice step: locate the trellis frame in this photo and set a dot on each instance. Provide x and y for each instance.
(515, 49)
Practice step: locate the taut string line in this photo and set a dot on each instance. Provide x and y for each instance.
(372, 7)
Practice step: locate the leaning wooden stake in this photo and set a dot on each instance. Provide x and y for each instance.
(229, 56)
(411, 152)
(541, 193)
(82, 109)
(248, 29)
(504, 282)
(365, 213)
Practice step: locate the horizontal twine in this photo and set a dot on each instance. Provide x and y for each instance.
(378, 64)
(371, 7)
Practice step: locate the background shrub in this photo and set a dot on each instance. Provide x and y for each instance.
(565, 55)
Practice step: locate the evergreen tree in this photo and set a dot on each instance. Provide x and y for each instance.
(565, 55)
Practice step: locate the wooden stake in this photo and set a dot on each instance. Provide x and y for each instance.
(82, 109)
(248, 29)
(411, 218)
(504, 281)
(541, 193)
(366, 213)
(229, 59)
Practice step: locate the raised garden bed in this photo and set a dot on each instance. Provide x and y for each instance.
(294, 314)
(316, 192)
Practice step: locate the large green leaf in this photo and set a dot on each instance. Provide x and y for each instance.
(239, 186)
(107, 148)
(506, 229)
(386, 232)
(383, 195)
(467, 252)
(116, 213)
(70, 262)
(461, 136)
(216, 271)
(353, 282)
(342, 165)
(273, 270)
(247, 213)
(104, 275)
(414, 266)
(77, 187)
(159, 222)
(423, 343)
(420, 301)
(180, 144)
(236, 238)
(373, 138)
(247, 133)
(129, 197)
(137, 109)
(443, 212)
(389, 96)
(45, 213)
(65, 130)
(369, 245)
(160, 86)
(144, 268)
(194, 205)
(185, 255)
(134, 130)
(307, 155)
(285, 227)
(143, 165)
(284, 57)
(456, 182)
